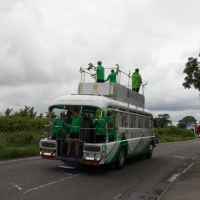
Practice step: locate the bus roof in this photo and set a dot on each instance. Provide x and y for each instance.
(95, 101)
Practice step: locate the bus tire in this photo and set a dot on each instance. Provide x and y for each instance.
(150, 151)
(119, 164)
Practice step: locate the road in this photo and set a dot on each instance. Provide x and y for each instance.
(34, 178)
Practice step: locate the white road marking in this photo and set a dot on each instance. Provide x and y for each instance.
(117, 196)
(181, 157)
(194, 157)
(19, 188)
(173, 177)
(66, 173)
(16, 160)
(187, 168)
(51, 183)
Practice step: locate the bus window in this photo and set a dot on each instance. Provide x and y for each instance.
(140, 122)
(132, 121)
(146, 122)
(123, 118)
(112, 134)
(87, 129)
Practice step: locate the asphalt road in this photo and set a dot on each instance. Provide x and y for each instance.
(34, 178)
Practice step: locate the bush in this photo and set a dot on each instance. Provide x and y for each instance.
(173, 133)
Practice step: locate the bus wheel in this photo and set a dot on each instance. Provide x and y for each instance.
(120, 159)
(150, 151)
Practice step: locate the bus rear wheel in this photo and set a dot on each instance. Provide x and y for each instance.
(119, 164)
(150, 151)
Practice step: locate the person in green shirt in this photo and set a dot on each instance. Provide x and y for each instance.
(112, 76)
(136, 80)
(74, 132)
(59, 128)
(59, 131)
(100, 72)
(100, 125)
(68, 120)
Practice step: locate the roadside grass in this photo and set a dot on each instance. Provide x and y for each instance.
(26, 143)
(20, 144)
(173, 134)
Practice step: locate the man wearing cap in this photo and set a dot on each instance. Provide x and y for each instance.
(136, 80)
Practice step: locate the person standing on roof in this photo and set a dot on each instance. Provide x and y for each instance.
(136, 80)
(100, 72)
(112, 76)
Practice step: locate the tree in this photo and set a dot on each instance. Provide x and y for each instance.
(53, 115)
(186, 120)
(27, 112)
(162, 121)
(193, 74)
(8, 112)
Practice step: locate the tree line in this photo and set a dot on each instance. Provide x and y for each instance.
(28, 113)
(164, 120)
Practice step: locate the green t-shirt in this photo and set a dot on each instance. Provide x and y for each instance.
(76, 122)
(112, 77)
(136, 80)
(100, 125)
(59, 128)
(68, 121)
(100, 72)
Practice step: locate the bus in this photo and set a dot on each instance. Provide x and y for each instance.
(131, 127)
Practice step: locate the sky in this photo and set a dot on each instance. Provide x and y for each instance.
(43, 43)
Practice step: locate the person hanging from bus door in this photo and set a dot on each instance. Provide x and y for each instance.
(59, 129)
(136, 80)
(74, 132)
(112, 77)
(100, 124)
(68, 120)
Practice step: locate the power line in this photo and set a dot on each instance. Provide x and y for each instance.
(128, 27)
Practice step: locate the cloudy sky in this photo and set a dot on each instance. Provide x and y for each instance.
(43, 44)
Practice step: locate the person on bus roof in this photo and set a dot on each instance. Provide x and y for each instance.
(112, 76)
(136, 80)
(100, 72)
(74, 132)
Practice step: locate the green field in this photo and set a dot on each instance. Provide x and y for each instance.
(26, 143)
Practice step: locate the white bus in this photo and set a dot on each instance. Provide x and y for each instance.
(132, 126)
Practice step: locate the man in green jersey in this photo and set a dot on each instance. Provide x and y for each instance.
(100, 72)
(100, 125)
(112, 76)
(59, 131)
(136, 80)
(74, 132)
(59, 128)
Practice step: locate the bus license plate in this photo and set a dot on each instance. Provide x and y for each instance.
(47, 150)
